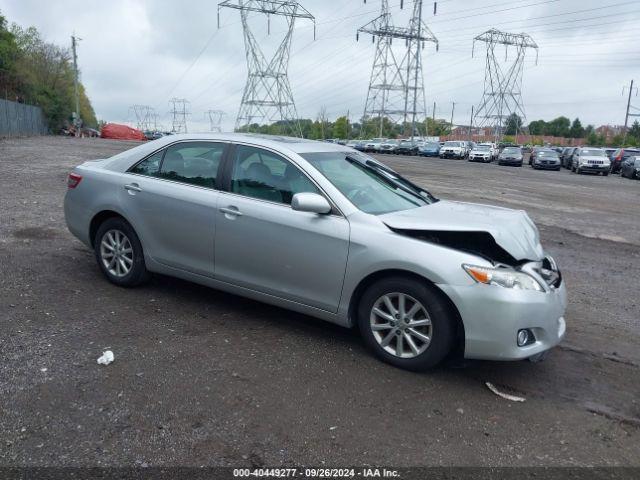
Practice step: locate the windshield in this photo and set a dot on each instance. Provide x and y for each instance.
(511, 150)
(482, 147)
(452, 144)
(370, 186)
(592, 152)
(432, 145)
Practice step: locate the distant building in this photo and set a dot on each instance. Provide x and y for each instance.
(610, 131)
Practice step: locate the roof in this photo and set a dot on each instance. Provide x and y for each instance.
(294, 144)
(285, 145)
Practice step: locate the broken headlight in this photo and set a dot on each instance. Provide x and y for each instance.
(503, 277)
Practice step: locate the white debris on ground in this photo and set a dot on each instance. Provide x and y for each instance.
(506, 396)
(106, 358)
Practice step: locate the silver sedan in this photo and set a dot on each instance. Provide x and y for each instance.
(328, 231)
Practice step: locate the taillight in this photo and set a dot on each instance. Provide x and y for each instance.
(73, 180)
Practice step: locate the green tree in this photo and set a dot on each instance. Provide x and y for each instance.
(8, 50)
(558, 127)
(537, 127)
(437, 127)
(634, 131)
(340, 128)
(513, 124)
(40, 73)
(576, 130)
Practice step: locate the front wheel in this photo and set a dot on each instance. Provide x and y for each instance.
(119, 253)
(406, 323)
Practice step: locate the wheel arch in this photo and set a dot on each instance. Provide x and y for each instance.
(459, 335)
(98, 219)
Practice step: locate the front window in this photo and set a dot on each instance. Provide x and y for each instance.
(452, 144)
(483, 148)
(511, 151)
(263, 175)
(370, 186)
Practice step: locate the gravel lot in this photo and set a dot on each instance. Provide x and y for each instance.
(207, 378)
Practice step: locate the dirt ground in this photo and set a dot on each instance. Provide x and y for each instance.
(206, 378)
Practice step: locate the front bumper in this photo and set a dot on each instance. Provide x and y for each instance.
(510, 161)
(479, 158)
(493, 315)
(547, 166)
(594, 168)
(451, 154)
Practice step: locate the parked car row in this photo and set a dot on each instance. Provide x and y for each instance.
(577, 159)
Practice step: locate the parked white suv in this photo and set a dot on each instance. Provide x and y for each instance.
(453, 149)
(481, 153)
(591, 160)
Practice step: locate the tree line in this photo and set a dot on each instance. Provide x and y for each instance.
(322, 128)
(38, 72)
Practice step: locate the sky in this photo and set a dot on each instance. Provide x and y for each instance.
(146, 52)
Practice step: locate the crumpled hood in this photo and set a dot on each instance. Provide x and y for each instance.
(513, 230)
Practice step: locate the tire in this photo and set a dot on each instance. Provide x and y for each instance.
(433, 308)
(111, 233)
(578, 171)
(605, 174)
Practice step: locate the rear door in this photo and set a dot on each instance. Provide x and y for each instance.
(264, 245)
(171, 199)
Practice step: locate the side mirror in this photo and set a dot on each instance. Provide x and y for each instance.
(310, 202)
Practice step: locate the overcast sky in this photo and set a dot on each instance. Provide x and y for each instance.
(143, 52)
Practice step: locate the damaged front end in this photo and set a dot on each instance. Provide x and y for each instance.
(545, 272)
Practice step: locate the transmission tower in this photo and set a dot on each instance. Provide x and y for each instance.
(502, 80)
(267, 94)
(396, 87)
(215, 119)
(179, 112)
(145, 116)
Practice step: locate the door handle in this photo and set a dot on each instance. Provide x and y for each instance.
(231, 211)
(132, 187)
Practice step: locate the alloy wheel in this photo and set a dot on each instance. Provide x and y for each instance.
(401, 325)
(116, 253)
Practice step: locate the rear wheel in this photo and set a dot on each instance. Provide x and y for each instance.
(406, 323)
(119, 253)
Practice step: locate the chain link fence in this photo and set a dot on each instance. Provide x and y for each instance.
(19, 120)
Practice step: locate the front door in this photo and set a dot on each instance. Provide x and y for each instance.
(264, 245)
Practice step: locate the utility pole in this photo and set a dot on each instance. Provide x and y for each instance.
(77, 121)
(471, 122)
(453, 108)
(627, 115)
